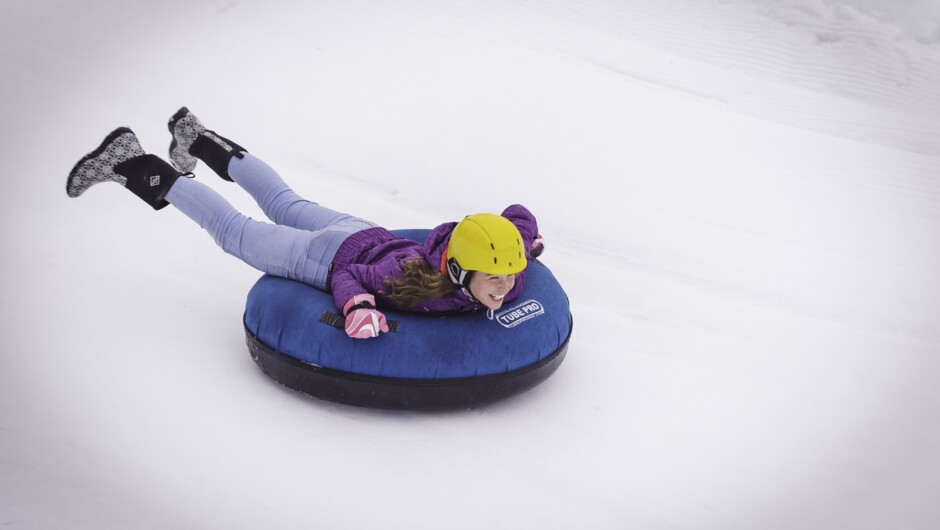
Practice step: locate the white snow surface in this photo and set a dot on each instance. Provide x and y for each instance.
(741, 199)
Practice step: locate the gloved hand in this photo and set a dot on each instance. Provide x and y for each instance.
(363, 321)
(537, 246)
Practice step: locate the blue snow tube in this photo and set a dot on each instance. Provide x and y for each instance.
(431, 362)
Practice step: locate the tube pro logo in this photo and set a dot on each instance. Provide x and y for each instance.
(519, 313)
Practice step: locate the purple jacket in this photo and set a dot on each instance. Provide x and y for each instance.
(366, 259)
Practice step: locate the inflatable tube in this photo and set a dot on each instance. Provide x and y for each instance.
(431, 362)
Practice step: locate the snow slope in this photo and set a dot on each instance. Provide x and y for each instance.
(740, 197)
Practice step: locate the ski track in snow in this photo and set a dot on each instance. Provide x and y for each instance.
(746, 192)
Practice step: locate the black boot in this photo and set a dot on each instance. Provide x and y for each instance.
(120, 159)
(191, 141)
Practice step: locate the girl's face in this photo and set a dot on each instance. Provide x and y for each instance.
(490, 289)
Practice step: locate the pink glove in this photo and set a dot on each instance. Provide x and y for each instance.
(537, 246)
(363, 321)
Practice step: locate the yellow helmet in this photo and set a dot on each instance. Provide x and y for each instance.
(487, 243)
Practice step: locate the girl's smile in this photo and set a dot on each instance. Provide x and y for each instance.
(490, 289)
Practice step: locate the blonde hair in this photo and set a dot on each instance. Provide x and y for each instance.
(417, 283)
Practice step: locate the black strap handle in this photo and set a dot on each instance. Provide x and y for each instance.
(337, 321)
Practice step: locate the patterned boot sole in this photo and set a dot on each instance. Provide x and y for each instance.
(98, 166)
(185, 128)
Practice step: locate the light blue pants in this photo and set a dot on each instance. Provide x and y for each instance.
(300, 245)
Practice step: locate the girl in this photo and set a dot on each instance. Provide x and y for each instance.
(477, 263)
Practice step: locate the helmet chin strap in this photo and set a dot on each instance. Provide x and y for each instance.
(459, 276)
(489, 310)
(466, 291)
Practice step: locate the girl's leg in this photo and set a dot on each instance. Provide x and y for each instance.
(281, 204)
(192, 141)
(278, 250)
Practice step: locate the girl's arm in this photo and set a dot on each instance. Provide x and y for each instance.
(353, 293)
(357, 279)
(528, 228)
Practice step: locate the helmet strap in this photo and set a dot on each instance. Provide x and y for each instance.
(461, 277)
(457, 274)
(466, 291)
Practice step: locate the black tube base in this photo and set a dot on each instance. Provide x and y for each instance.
(397, 393)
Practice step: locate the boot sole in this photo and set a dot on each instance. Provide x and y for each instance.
(177, 117)
(108, 140)
(182, 161)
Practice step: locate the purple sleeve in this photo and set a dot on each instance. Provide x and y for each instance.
(528, 228)
(361, 279)
(525, 222)
(344, 287)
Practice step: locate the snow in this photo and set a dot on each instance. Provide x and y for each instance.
(741, 199)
